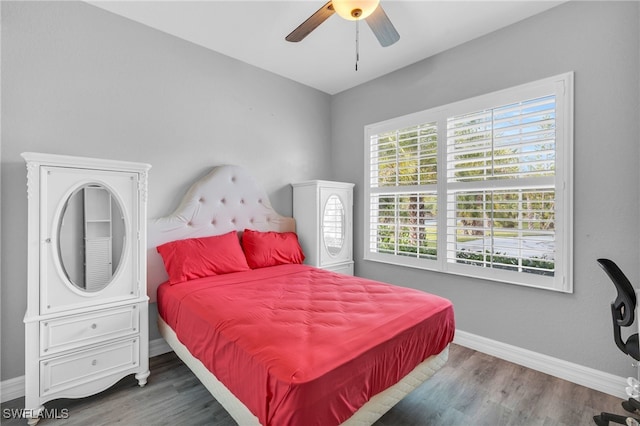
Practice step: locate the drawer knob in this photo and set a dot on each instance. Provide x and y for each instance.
(94, 362)
(94, 326)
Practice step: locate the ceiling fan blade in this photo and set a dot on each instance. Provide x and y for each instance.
(311, 23)
(382, 27)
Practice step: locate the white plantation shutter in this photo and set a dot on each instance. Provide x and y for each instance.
(403, 201)
(481, 187)
(405, 157)
(513, 141)
(510, 147)
(507, 229)
(404, 224)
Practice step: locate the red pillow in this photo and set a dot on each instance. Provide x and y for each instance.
(264, 249)
(202, 257)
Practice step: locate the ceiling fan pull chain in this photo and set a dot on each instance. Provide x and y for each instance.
(357, 44)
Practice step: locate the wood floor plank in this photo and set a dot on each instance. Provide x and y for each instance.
(472, 389)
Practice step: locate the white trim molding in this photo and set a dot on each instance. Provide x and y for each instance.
(575, 373)
(12, 389)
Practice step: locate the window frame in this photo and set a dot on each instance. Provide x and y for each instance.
(562, 87)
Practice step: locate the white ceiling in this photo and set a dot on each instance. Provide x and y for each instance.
(254, 32)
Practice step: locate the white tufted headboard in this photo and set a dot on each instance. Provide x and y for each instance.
(227, 198)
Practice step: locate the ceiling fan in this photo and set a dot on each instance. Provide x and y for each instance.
(353, 10)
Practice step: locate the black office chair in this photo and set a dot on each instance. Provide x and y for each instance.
(623, 313)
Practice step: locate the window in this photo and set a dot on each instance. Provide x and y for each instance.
(480, 187)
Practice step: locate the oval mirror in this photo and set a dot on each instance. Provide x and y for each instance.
(91, 237)
(333, 225)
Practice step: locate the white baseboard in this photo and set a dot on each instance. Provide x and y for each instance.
(584, 376)
(11, 389)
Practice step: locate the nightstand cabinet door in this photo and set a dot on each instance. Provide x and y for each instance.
(324, 222)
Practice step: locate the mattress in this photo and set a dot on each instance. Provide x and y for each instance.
(299, 345)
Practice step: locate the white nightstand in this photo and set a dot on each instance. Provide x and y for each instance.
(324, 222)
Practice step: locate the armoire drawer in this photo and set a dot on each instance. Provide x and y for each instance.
(75, 331)
(84, 367)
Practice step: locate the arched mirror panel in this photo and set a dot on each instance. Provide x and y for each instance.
(333, 225)
(91, 237)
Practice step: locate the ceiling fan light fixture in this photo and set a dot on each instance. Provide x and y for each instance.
(354, 10)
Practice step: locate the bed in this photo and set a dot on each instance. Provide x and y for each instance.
(277, 342)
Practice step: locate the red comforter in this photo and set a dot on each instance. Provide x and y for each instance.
(302, 346)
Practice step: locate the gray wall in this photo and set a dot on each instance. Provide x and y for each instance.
(600, 41)
(79, 80)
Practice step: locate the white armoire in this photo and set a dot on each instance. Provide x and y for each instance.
(324, 223)
(86, 322)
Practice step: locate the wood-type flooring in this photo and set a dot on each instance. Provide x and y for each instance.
(472, 389)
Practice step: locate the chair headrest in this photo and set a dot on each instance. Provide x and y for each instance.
(625, 303)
